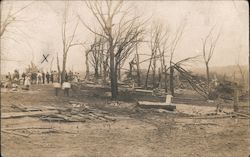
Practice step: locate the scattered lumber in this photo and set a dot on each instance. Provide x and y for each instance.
(26, 114)
(158, 105)
(23, 108)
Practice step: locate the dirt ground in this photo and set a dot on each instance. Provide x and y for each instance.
(134, 132)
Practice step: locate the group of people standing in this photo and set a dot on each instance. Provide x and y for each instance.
(40, 77)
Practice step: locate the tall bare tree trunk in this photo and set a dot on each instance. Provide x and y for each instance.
(172, 80)
(105, 66)
(130, 69)
(113, 72)
(58, 68)
(87, 65)
(159, 73)
(118, 72)
(96, 63)
(138, 67)
(63, 67)
(149, 66)
(165, 82)
(146, 83)
(101, 62)
(154, 71)
(208, 78)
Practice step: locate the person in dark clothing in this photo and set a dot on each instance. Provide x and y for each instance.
(52, 77)
(33, 78)
(66, 77)
(9, 76)
(23, 76)
(43, 77)
(47, 77)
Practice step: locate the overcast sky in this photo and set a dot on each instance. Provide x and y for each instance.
(39, 30)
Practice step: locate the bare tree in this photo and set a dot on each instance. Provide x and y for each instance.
(209, 44)
(10, 18)
(173, 45)
(158, 41)
(95, 55)
(127, 43)
(116, 34)
(67, 40)
(163, 48)
(154, 40)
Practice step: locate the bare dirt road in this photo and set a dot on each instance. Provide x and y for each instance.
(120, 128)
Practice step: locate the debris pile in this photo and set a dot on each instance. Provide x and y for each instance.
(75, 112)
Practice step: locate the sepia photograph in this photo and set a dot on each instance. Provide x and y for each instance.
(124, 78)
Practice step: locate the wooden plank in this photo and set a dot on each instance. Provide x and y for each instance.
(161, 105)
(25, 114)
(143, 90)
